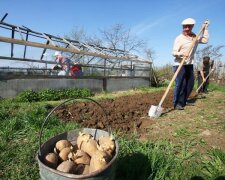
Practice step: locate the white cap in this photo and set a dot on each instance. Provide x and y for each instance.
(188, 21)
(57, 53)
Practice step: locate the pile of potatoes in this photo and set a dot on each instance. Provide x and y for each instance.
(87, 156)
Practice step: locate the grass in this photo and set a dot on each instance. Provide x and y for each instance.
(215, 87)
(20, 125)
(112, 95)
(144, 160)
(19, 135)
(182, 132)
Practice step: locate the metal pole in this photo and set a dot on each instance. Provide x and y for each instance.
(150, 75)
(4, 17)
(104, 67)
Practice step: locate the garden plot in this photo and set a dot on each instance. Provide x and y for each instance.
(198, 125)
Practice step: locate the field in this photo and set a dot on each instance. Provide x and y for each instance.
(188, 144)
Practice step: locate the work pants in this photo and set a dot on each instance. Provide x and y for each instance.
(184, 84)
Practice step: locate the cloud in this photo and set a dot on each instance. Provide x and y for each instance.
(169, 16)
(143, 27)
(147, 25)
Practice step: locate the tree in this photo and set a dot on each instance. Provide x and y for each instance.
(211, 51)
(149, 53)
(119, 37)
(214, 54)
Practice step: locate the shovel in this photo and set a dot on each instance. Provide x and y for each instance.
(156, 111)
(205, 80)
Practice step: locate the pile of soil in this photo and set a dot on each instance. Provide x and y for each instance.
(125, 114)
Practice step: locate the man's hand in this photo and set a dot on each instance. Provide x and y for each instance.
(185, 55)
(206, 23)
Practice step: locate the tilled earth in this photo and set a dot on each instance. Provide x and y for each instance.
(126, 114)
(202, 124)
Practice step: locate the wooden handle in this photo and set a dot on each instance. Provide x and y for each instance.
(204, 81)
(181, 64)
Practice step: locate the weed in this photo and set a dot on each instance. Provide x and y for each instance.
(181, 132)
(215, 166)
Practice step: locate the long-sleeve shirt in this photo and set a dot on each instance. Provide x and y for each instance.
(64, 62)
(182, 45)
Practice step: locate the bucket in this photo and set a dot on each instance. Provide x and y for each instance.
(47, 173)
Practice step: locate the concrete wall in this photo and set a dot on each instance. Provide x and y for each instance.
(115, 84)
(11, 87)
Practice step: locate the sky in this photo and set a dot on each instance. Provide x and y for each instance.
(158, 22)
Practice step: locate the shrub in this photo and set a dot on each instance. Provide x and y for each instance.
(51, 95)
(27, 96)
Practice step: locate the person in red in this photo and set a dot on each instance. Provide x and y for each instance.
(64, 62)
(76, 70)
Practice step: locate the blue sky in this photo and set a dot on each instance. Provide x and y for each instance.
(157, 22)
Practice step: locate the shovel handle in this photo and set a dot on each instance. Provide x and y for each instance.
(181, 64)
(204, 81)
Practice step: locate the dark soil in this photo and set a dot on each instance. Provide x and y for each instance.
(202, 124)
(126, 114)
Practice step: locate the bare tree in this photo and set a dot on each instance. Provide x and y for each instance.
(118, 37)
(78, 34)
(214, 54)
(149, 53)
(211, 51)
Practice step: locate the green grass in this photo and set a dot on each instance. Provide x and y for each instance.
(216, 87)
(145, 160)
(182, 132)
(19, 138)
(20, 125)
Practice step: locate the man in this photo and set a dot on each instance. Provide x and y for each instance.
(185, 78)
(63, 62)
(203, 71)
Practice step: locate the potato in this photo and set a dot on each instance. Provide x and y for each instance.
(107, 144)
(81, 157)
(83, 137)
(89, 146)
(82, 169)
(63, 155)
(98, 161)
(62, 144)
(67, 167)
(51, 160)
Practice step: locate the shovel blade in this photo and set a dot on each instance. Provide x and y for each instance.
(155, 111)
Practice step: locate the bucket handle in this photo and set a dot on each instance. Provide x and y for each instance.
(47, 117)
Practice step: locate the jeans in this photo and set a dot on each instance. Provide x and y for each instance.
(184, 84)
